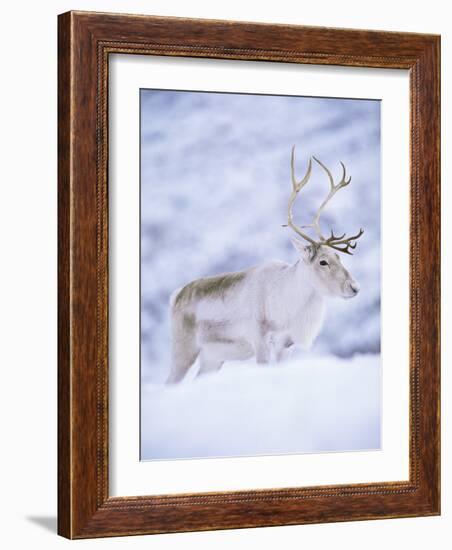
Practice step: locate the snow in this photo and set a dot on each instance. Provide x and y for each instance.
(215, 181)
(320, 404)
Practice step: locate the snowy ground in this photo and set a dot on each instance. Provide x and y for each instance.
(313, 405)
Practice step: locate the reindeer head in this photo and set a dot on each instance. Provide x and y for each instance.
(325, 269)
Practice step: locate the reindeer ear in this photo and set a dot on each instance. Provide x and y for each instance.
(304, 250)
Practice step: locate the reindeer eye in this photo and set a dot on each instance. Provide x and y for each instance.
(323, 262)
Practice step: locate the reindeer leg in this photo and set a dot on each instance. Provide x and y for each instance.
(263, 352)
(184, 347)
(283, 349)
(209, 360)
(262, 348)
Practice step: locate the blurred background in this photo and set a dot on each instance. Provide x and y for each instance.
(215, 181)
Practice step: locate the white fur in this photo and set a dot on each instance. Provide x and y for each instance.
(273, 307)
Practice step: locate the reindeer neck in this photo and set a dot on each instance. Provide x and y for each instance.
(301, 282)
(294, 301)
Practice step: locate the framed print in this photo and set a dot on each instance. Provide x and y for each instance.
(248, 275)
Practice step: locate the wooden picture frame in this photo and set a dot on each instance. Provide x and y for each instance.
(85, 42)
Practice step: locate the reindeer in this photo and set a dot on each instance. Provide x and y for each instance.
(263, 311)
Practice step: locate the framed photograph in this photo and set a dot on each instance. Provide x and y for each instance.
(249, 260)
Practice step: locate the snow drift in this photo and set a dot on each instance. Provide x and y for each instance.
(312, 405)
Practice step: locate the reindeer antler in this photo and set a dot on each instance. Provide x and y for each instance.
(339, 243)
(296, 187)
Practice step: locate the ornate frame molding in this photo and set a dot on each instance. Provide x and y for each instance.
(85, 42)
